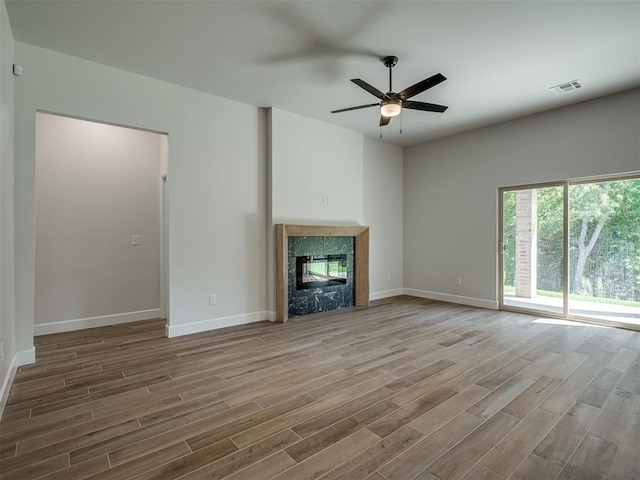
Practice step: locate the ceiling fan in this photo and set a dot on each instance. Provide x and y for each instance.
(391, 103)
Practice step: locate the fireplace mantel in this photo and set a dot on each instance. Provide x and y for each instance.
(361, 261)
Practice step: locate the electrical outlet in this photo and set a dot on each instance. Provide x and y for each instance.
(388, 277)
(1, 352)
(213, 299)
(458, 281)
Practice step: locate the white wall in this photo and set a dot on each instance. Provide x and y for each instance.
(450, 187)
(217, 178)
(96, 186)
(311, 160)
(11, 357)
(383, 198)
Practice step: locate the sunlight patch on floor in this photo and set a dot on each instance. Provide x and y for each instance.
(570, 323)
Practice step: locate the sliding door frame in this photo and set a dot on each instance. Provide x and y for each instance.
(565, 253)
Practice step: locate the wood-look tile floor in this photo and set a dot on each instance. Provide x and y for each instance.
(407, 389)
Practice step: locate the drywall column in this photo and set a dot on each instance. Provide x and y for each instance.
(526, 243)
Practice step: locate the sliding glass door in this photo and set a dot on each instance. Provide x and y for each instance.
(604, 245)
(533, 221)
(572, 250)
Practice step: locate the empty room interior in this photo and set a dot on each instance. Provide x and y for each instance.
(311, 239)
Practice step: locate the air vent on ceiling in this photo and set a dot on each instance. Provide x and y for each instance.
(566, 87)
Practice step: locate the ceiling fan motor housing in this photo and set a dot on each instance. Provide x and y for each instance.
(390, 61)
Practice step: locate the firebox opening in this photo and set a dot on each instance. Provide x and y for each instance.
(318, 271)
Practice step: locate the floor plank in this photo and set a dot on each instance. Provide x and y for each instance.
(462, 457)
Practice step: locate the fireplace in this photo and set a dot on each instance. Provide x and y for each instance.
(319, 271)
(293, 241)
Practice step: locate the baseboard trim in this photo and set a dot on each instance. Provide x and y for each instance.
(91, 322)
(445, 297)
(23, 357)
(386, 294)
(215, 323)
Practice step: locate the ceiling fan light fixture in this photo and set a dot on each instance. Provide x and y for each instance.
(391, 107)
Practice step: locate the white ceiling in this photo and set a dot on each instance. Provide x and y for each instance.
(500, 57)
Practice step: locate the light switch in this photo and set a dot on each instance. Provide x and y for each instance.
(135, 239)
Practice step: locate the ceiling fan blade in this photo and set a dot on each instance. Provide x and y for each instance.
(355, 108)
(369, 88)
(384, 120)
(420, 87)
(425, 107)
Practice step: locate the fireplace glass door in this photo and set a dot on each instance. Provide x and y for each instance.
(319, 271)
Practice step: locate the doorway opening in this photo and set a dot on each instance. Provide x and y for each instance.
(101, 222)
(572, 250)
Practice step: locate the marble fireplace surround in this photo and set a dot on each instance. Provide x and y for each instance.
(361, 260)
